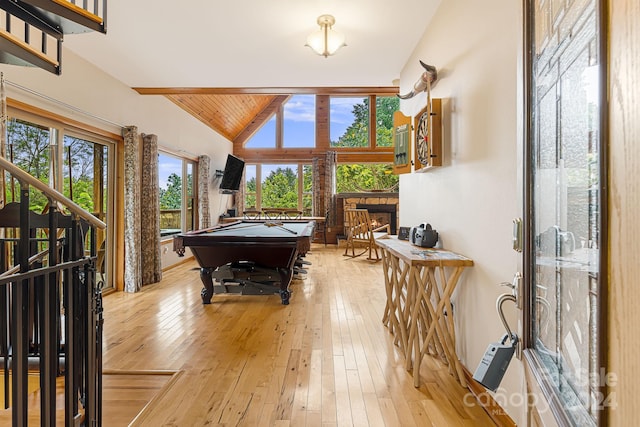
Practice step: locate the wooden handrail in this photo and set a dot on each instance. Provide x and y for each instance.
(23, 176)
(16, 268)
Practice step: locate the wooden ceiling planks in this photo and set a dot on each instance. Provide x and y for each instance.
(227, 114)
(237, 113)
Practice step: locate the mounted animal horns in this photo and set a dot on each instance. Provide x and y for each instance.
(429, 76)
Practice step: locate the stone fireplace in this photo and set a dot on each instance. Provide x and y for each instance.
(383, 207)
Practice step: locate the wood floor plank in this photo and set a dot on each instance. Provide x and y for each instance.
(324, 360)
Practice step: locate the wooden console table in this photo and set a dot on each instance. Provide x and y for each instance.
(419, 283)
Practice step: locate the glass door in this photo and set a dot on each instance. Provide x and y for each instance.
(565, 199)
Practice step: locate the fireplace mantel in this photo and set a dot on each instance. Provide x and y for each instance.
(367, 194)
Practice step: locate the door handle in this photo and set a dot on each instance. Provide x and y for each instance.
(517, 234)
(516, 288)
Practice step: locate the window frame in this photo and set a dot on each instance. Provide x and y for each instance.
(185, 196)
(258, 193)
(59, 127)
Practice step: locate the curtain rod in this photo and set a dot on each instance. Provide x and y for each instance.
(64, 104)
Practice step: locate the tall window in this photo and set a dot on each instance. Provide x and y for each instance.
(177, 194)
(72, 161)
(567, 197)
(385, 107)
(299, 121)
(279, 186)
(251, 189)
(349, 121)
(307, 190)
(29, 147)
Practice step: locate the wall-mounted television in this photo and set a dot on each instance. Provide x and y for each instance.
(232, 174)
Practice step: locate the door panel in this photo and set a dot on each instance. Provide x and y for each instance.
(564, 194)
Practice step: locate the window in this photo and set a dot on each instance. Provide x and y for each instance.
(250, 191)
(265, 137)
(385, 107)
(299, 121)
(366, 177)
(78, 164)
(307, 190)
(84, 174)
(279, 186)
(177, 201)
(566, 181)
(287, 186)
(29, 147)
(349, 121)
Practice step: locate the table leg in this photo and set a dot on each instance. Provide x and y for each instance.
(398, 313)
(453, 359)
(207, 281)
(285, 279)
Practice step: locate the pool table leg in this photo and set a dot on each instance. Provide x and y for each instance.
(285, 279)
(207, 281)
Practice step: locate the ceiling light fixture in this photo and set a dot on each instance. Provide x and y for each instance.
(325, 41)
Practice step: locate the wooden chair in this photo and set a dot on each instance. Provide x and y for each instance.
(361, 233)
(251, 213)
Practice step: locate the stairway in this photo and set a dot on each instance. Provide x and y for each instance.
(31, 31)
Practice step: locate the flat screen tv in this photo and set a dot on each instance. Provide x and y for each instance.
(232, 174)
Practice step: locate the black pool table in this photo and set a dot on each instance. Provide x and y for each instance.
(247, 257)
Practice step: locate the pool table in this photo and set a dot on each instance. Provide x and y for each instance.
(247, 257)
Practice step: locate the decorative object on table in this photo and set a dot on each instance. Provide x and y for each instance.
(423, 235)
(403, 233)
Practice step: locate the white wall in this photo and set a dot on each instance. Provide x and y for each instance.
(88, 89)
(472, 199)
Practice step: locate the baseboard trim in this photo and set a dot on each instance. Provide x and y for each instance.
(487, 402)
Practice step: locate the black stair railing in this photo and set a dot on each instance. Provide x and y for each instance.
(33, 30)
(51, 320)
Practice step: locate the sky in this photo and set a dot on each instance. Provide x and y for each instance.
(299, 122)
(299, 131)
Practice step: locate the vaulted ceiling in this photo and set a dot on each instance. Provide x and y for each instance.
(227, 63)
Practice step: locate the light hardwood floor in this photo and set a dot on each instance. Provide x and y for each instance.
(324, 360)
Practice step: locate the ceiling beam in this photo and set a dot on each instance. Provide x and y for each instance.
(339, 90)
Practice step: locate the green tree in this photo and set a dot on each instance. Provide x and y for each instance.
(78, 171)
(357, 134)
(307, 189)
(171, 197)
(280, 189)
(250, 194)
(28, 148)
(359, 177)
(385, 107)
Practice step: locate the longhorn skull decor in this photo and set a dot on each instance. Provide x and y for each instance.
(428, 78)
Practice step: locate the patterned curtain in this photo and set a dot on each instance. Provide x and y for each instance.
(239, 196)
(331, 161)
(3, 138)
(132, 270)
(203, 192)
(151, 262)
